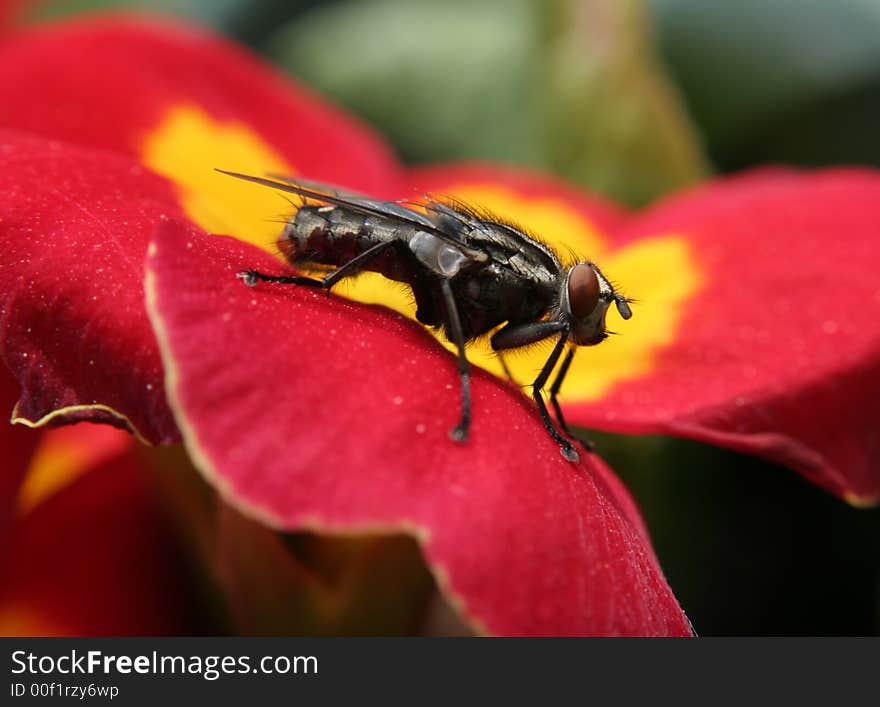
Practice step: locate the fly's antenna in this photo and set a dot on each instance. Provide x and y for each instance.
(623, 305)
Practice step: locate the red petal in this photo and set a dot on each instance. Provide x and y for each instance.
(74, 330)
(314, 413)
(779, 353)
(96, 559)
(110, 81)
(17, 445)
(75, 225)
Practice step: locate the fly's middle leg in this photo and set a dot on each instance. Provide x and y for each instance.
(460, 432)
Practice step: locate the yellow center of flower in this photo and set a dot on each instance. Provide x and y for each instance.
(188, 144)
(660, 273)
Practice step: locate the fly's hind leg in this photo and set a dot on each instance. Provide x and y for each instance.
(357, 263)
(252, 277)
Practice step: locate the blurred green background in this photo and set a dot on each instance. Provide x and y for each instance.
(633, 99)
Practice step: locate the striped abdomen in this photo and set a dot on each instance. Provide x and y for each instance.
(329, 235)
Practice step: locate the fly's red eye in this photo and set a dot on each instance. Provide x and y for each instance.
(583, 290)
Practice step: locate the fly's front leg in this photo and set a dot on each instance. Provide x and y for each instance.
(566, 447)
(554, 391)
(514, 336)
(460, 432)
(251, 277)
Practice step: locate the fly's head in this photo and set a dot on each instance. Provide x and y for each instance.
(585, 297)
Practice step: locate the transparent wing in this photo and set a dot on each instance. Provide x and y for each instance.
(356, 202)
(353, 198)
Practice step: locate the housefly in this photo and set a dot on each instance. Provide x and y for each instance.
(471, 273)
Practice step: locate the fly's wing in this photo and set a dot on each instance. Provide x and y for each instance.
(455, 219)
(371, 207)
(353, 198)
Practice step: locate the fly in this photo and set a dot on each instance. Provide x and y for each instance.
(470, 273)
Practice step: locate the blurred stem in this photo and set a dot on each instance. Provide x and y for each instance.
(614, 121)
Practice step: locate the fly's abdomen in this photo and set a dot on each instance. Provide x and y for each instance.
(324, 234)
(332, 236)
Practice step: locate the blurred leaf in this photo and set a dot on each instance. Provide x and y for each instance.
(751, 69)
(835, 130)
(430, 74)
(569, 86)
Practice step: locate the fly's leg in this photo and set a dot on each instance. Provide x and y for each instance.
(554, 391)
(565, 447)
(460, 432)
(515, 335)
(250, 277)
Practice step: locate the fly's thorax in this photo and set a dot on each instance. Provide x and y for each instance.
(584, 299)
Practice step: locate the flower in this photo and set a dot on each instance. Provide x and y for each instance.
(86, 546)
(308, 412)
